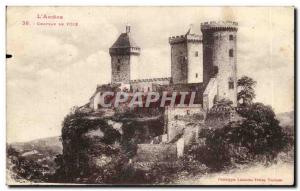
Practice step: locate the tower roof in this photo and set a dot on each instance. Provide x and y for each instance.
(125, 40)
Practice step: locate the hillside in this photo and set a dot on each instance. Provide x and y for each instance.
(32, 160)
(97, 144)
(52, 145)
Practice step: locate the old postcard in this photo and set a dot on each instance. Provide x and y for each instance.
(150, 95)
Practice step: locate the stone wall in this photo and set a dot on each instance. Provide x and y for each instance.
(156, 152)
(179, 64)
(141, 87)
(95, 101)
(191, 133)
(177, 120)
(160, 139)
(195, 62)
(146, 85)
(192, 87)
(120, 67)
(209, 95)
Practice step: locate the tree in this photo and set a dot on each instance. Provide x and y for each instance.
(257, 135)
(246, 93)
(259, 113)
(261, 132)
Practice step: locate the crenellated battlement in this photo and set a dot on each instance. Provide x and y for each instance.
(177, 39)
(185, 38)
(193, 38)
(219, 25)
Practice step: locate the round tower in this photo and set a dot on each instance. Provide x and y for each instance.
(220, 58)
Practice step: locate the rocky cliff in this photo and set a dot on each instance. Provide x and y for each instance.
(94, 145)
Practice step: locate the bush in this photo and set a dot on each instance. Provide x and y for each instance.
(259, 135)
(261, 132)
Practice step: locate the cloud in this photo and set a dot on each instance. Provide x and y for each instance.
(40, 105)
(46, 52)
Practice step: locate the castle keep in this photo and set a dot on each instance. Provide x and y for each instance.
(219, 61)
(205, 64)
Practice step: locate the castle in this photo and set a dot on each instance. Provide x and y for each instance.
(206, 64)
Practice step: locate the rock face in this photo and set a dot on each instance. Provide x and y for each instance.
(95, 144)
(92, 145)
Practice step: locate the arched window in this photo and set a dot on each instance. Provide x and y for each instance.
(231, 37)
(196, 75)
(118, 68)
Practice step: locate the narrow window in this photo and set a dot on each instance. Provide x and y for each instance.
(215, 70)
(118, 68)
(231, 53)
(196, 75)
(196, 54)
(215, 99)
(231, 37)
(231, 85)
(119, 61)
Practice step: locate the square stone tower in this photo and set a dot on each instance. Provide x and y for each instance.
(186, 58)
(124, 57)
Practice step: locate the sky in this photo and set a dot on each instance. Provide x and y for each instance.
(54, 68)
